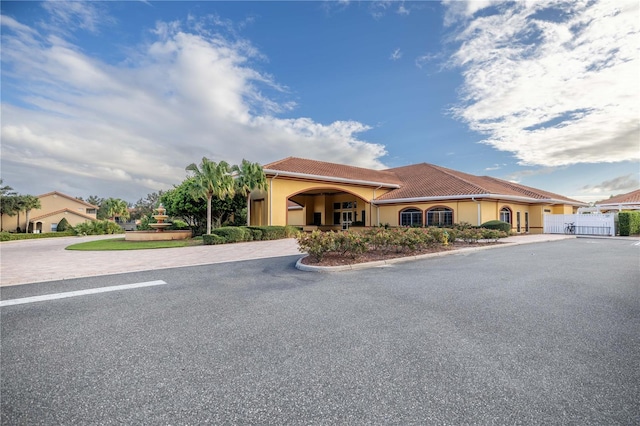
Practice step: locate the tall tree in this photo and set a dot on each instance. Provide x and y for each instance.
(249, 177)
(211, 179)
(95, 200)
(8, 202)
(112, 207)
(29, 202)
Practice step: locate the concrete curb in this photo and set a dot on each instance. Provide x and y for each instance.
(382, 263)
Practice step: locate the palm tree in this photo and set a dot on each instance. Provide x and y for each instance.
(249, 177)
(7, 201)
(28, 203)
(211, 179)
(115, 207)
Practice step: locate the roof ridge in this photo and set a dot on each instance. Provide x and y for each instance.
(69, 197)
(449, 172)
(66, 209)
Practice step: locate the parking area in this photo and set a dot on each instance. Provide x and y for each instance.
(529, 334)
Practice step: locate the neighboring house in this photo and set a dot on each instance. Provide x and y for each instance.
(337, 196)
(622, 202)
(53, 207)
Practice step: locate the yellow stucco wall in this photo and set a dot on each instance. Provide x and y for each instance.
(50, 203)
(471, 211)
(282, 188)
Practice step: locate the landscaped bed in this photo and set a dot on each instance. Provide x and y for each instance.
(376, 244)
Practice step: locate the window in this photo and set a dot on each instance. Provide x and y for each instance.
(54, 227)
(411, 217)
(91, 211)
(505, 215)
(440, 216)
(518, 220)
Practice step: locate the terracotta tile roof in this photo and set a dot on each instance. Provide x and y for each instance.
(428, 180)
(629, 197)
(418, 180)
(332, 170)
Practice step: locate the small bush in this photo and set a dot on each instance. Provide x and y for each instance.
(256, 234)
(493, 234)
(316, 243)
(212, 239)
(178, 225)
(497, 224)
(98, 227)
(232, 234)
(349, 243)
(5, 236)
(629, 223)
(63, 225)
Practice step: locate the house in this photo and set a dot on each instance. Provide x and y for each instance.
(334, 196)
(53, 207)
(628, 201)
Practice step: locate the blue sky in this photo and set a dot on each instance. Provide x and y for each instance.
(117, 98)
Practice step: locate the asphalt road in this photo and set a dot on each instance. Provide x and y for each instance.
(543, 334)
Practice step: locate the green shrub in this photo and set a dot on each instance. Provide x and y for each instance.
(276, 232)
(212, 239)
(316, 243)
(7, 236)
(349, 243)
(98, 227)
(629, 223)
(469, 235)
(232, 234)
(178, 225)
(497, 224)
(493, 234)
(63, 225)
(256, 234)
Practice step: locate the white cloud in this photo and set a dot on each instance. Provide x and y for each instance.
(615, 186)
(554, 83)
(132, 128)
(395, 55)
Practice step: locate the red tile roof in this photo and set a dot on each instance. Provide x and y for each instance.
(331, 171)
(632, 197)
(417, 181)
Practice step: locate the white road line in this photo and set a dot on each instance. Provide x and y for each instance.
(78, 293)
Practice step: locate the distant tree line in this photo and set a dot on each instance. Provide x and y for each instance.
(212, 195)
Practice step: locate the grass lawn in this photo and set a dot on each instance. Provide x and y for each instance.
(121, 244)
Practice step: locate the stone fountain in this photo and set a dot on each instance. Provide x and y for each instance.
(159, 233)
(160, 217)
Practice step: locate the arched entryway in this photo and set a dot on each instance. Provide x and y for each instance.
(328, 208)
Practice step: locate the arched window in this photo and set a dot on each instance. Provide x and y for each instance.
(505, 215)
(411, 217)
(440, 216)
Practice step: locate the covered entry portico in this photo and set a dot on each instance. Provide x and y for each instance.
(329, 208)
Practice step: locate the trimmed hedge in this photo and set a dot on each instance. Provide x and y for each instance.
(212, 239)
(9, 236)
(629, 223)
(235, 234)
(497, 224)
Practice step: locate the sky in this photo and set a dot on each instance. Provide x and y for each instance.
(116, 98)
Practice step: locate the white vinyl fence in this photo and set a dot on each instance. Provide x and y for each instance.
(580, 224)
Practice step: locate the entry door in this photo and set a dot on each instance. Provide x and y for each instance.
(347, 218)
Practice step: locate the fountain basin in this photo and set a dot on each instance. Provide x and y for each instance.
(157, 236)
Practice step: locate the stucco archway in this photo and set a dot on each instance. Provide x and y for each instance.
(327, 207)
